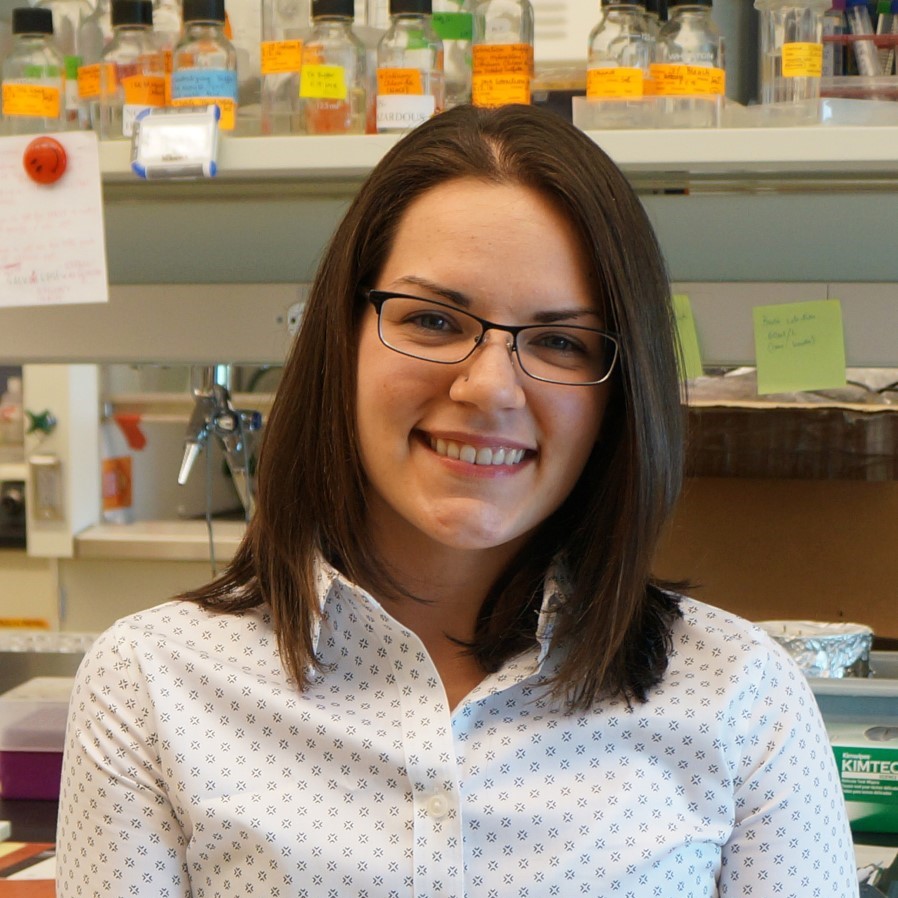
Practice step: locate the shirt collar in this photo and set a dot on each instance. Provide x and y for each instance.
(556, 591)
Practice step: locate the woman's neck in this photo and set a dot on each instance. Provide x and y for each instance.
(449, 586)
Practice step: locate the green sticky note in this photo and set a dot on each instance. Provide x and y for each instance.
(690, 357)
(799, 346)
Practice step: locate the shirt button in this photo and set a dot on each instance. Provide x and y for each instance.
(437, 806)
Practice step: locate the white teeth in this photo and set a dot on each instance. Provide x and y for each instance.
(484, 457)
(473, 456)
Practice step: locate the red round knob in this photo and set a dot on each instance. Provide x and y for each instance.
(44, 160)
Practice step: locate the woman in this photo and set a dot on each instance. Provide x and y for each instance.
(438, 664)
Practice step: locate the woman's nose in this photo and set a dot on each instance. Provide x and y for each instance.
(490, 377)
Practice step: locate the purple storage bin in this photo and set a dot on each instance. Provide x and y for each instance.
(32, 735)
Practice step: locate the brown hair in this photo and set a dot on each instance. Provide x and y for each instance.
(615, 625)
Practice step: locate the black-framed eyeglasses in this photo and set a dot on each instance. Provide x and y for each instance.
(437, 332)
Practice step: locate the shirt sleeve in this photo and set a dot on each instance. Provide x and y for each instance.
(118, 833)
(791, 836)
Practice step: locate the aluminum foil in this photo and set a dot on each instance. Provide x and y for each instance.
(823, 649)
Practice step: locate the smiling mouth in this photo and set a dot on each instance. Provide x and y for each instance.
(486, 455)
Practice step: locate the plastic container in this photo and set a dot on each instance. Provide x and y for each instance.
(857, 87)
(791, 36)
(12, 431)
(32, 736)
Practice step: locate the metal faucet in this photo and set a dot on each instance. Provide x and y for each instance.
(214, 413)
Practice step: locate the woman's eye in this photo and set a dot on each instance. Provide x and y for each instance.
(562, 343)
(432, 321)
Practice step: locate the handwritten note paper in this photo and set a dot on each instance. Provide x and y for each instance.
(690, 357)
(799, 346)
(52, 245)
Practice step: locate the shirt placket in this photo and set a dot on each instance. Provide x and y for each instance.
(432, 771)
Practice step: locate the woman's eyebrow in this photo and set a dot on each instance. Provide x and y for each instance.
(453, 296)
(549, 316)
(555, 315)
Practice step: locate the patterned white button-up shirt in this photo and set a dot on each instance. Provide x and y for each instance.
(193, 767)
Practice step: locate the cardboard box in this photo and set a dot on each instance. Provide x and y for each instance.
(867, 756)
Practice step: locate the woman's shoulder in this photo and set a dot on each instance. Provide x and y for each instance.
(708, 639)
(186, 627)
(698, 617)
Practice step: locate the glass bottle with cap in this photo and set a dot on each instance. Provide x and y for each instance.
(78, 37)
(621, 49)
(502, 52)
(33, 88)
(333, 91)
(409, 68)
(454, 24)
(688, 73)
(791, 33)
(204, 63)
(132, 70)
(285, 26)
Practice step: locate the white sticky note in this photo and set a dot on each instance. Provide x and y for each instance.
(52, 243)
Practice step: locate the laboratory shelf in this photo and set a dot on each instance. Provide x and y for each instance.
(159, 540)
(748, 155)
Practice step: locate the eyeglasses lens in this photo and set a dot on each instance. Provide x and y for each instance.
(563, 354)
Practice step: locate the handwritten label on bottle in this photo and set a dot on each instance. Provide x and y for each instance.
(802, 60)
(406, 82)
(141, 92)
(681, 80)
(144, 90)
(501, 74)
(280, 57)
(96, 79)
(323, 82)
(35, 100)
(453, 26)
(203, 87)
(614, 82)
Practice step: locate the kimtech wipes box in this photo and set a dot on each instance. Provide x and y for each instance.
(867, 757)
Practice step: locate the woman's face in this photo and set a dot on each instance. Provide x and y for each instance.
(504, 253)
